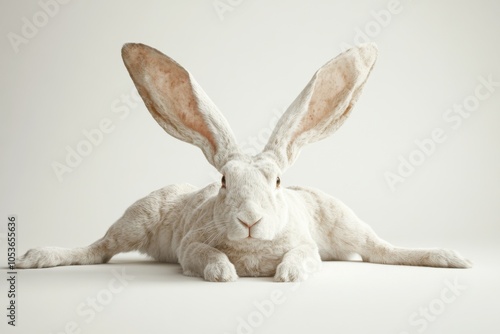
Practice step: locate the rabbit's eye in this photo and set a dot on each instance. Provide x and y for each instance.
(223, 181)
(278, 182)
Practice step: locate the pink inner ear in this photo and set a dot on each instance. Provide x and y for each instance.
(165, 85)
(329, 92)
(175, 83)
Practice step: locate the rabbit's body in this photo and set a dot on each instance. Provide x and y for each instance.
(166, 223)
(247, 225)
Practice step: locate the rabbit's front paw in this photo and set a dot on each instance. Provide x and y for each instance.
(297, 270)
(290, 272)
(220, 272)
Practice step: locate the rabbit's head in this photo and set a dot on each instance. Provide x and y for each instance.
(251, 202)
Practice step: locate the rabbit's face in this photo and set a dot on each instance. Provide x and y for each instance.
(250, 203)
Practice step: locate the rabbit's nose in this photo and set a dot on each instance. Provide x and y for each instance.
(250, 213)
(248, 225)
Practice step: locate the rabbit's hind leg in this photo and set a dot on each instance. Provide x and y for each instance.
(45, 257)
(133, 231)
(376, 250)
(358, 237)
(339, 233)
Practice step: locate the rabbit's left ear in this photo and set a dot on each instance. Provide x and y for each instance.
(323, 105)
(178, 103)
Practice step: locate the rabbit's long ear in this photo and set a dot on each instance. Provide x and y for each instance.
(323, 105)
(178, 103)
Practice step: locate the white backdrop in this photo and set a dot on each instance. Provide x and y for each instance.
(437, 78)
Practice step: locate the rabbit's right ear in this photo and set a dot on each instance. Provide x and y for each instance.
(178, 103)
(323, 105)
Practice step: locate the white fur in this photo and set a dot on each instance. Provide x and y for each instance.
(251, 226)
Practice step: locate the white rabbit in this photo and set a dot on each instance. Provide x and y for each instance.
(248, 224)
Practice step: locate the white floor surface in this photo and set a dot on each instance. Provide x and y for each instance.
(133, 294)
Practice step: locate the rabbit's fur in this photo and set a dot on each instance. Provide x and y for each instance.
(248, 224)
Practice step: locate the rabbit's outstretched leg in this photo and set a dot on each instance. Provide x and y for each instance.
(377, 250)
(339, 233)
(366, 243)
(124, 235)
(133, 231)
